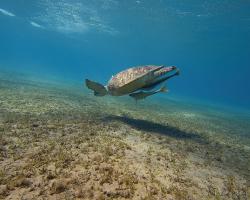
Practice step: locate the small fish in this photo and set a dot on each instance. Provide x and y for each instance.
(142, 95)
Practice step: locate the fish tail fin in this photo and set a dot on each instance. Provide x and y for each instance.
(177, 73)
(164, 89)
(134, 97)
(99, 89)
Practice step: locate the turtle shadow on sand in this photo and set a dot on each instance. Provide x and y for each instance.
(150, 126)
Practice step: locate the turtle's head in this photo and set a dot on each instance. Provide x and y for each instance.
(166, 72)
(163, 74)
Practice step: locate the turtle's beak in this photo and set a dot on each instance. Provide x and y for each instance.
(165, 71)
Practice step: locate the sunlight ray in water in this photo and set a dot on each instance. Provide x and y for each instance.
(5, 12)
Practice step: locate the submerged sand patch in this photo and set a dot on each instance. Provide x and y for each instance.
(59, 143)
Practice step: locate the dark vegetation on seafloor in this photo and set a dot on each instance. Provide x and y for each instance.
(57, 142)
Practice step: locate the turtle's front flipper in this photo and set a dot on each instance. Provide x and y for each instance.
(99, 89)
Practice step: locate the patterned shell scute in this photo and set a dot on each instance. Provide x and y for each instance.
(129, 75)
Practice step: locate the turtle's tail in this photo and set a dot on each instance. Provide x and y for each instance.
(99, 89)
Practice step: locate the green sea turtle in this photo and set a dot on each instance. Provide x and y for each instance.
(138, 82)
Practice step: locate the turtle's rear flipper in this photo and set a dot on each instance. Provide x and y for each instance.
(99, 89)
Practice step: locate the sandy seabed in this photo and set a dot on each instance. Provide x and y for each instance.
(58, 141)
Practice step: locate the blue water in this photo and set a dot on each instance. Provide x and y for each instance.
(76, 39)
